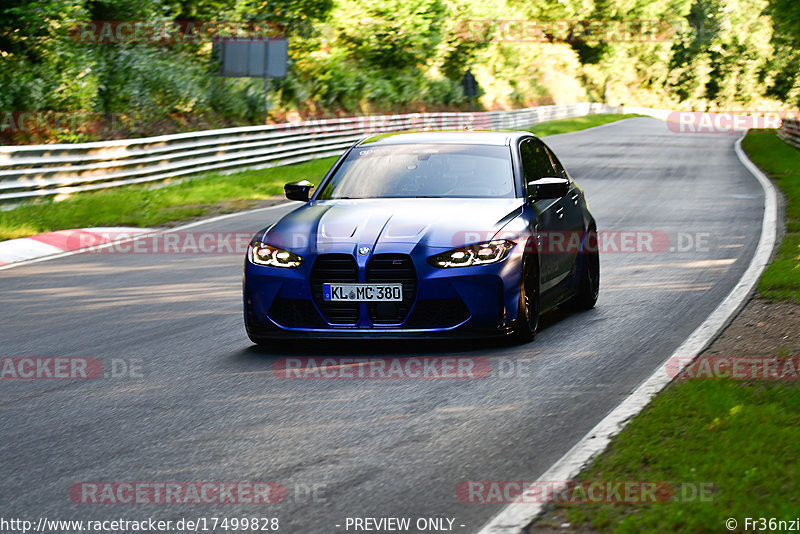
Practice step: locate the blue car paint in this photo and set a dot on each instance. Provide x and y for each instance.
(419, 228)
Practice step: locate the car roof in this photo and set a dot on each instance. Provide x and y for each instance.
(457, 137)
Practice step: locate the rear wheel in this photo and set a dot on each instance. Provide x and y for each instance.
(528, 312)
(589, 281)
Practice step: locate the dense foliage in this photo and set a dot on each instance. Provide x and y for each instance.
(363, 56)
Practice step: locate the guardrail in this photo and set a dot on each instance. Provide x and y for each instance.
(31, 171)
(790, 131)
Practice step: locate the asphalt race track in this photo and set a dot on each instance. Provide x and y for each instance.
(204, 404)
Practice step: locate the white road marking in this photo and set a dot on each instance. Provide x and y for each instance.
(515, 517)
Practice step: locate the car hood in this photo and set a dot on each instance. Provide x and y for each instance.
(391, 224)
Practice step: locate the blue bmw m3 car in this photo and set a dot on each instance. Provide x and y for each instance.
(428, 234)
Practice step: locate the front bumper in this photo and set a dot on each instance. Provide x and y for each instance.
(464, 301)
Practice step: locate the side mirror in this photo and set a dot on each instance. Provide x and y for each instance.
(298, 190)
(549, 187)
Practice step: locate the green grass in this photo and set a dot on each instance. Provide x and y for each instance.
(145, 206)
(203, 195)
(781, 162)
(577, 123)
(742, 438)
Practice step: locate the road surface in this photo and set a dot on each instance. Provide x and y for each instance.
(202, 403)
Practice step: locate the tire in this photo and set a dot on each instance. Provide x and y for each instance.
(270, 344)
(589, 281)
(528, 309)
(254, 333)
(261, 342)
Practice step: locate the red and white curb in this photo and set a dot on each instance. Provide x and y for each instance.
(55, 243)
(45, 247)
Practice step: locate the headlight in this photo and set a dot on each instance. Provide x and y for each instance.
(263, 254)
(479, 254)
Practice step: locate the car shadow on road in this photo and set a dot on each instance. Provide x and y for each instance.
(394, 347)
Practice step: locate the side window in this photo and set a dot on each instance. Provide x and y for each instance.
(556, 164)
(542, 159)
(530, 169)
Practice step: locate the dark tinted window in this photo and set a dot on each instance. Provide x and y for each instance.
(556, 164)
(542, 159)
(432, 170)
(530, 169)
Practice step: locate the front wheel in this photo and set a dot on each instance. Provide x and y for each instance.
(528, 309)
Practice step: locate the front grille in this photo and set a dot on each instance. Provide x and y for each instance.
(335, 268)
(297, 313)
(438, 313)
(392, 268)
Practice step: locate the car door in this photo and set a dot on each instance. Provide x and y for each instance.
(572, 214)
(549, 216)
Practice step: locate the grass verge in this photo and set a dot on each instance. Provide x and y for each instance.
(203, 195)
(144, 206)
(739, 439)
(781, 162)
(730, 446)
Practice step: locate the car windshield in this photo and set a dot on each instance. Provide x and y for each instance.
(419, 171)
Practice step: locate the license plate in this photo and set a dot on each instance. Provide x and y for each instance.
(362, 292)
